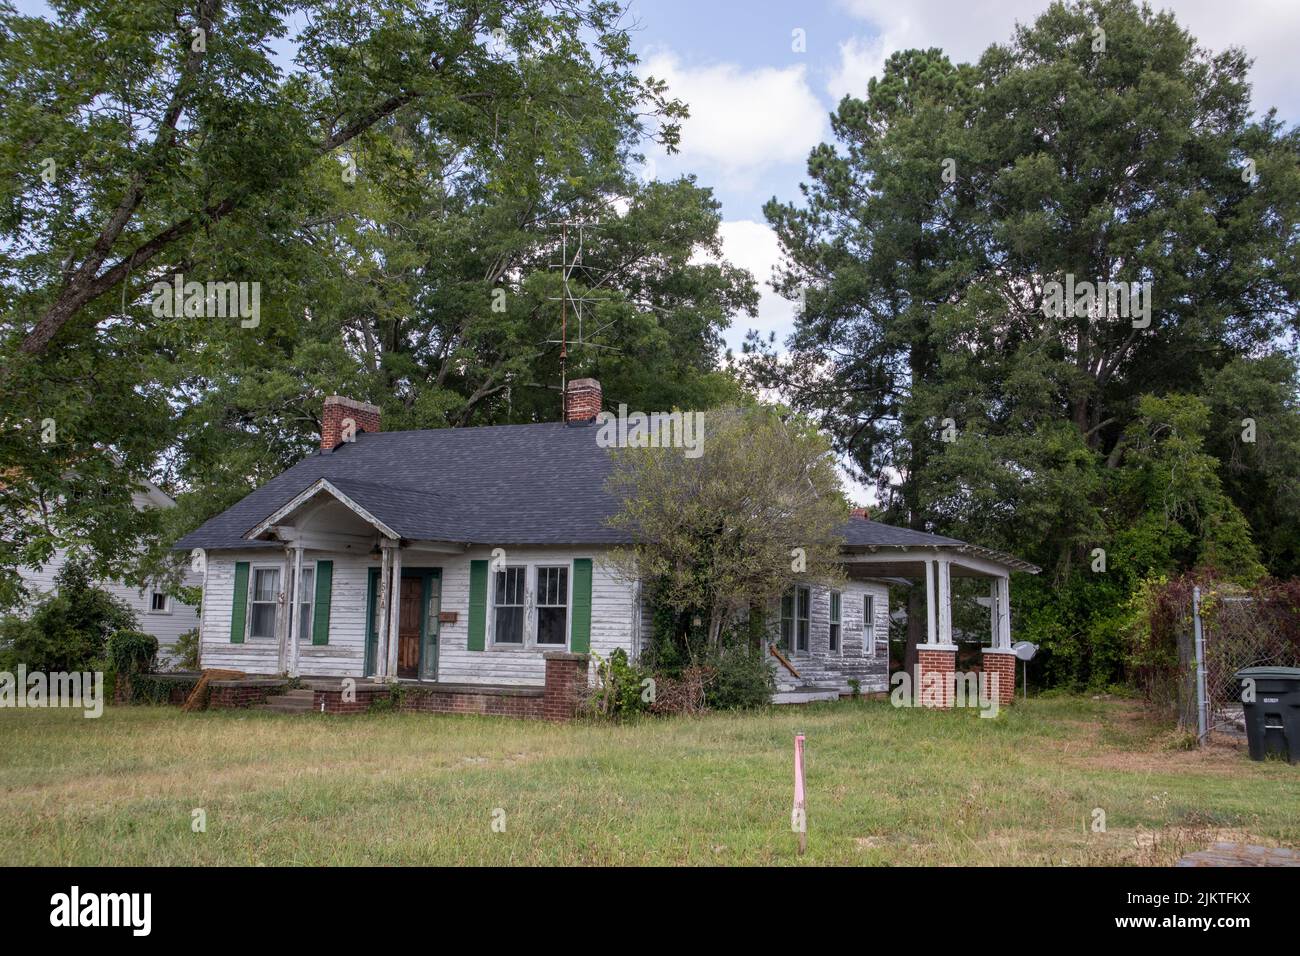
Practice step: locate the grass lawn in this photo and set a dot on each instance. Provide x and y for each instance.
(886, 786)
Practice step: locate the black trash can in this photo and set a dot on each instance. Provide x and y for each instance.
(1273, 717)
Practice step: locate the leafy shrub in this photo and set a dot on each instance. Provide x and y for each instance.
(185, 652)
(132, 652)
(742, 678)
(68, 630)
(620, 690)
(380, 704)
(158, 688)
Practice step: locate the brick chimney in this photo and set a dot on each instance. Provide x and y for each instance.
(339, 411)
(862, 514)
(582, 400)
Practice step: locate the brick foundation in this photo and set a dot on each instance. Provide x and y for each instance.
(938, 689)
(1002, 664)
(524, 702)
(566, 683)
(230, 694)
(557, 700)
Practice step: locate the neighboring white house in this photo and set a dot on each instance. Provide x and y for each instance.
(463, 556)
(159, 614)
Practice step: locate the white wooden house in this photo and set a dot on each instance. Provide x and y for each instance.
(158, 613)
(463, 556)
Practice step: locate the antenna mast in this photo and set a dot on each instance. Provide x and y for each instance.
(567, 267)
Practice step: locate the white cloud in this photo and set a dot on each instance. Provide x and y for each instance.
(754, 246)
(1266, 29)
(742, 120)
(860, 60)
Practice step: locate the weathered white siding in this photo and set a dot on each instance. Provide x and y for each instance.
(254, 657)
(860, 657)
(613, 616)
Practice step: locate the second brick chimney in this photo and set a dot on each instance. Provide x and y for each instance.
(343, 417)
(582, 398)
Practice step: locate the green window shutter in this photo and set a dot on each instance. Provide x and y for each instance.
(478, 577)
(239, 605)
(372, 635)
(580, 636)
(320, 615)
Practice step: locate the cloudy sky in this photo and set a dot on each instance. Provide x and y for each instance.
(758, 105)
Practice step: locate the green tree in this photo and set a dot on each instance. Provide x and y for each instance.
(732, 528)
(405, 166)
(68, 630)
(1101, 144)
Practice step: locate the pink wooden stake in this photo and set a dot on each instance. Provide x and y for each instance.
(799, 817)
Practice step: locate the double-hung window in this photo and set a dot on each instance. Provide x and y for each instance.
(306, 597)
(508, 606)
(158, 603)
(264, 596)
(835, 622)
(552, 606)
(795, 618)
(869, 625)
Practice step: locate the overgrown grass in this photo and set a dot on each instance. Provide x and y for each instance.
(885, 786)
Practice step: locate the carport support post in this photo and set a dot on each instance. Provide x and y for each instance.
(937, 657)
(998, 659)
(930, 636)
(945, 601)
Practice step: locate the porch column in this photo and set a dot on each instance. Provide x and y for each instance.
(394, 609)
(295, 594)
(381, 635)
(999, 661)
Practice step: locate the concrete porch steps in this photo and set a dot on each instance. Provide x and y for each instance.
(290, 702)
(805, 694)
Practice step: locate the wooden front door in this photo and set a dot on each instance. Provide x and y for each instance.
(410, 608)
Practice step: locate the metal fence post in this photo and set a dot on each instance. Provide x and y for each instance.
(1202, 704)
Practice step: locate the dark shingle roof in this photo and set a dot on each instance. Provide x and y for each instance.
(503, 484)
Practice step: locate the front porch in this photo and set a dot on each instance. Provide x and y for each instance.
(403, 607)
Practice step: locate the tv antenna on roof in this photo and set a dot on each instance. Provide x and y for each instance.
(567, 267)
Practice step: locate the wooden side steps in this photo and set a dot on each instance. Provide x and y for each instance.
(198, 698)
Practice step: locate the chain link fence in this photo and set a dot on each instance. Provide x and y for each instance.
(1242, 630)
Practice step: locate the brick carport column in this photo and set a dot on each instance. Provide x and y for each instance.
(936, 659)
(1000, 663)
(940, 662)
(566, 684)
(999, 659)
